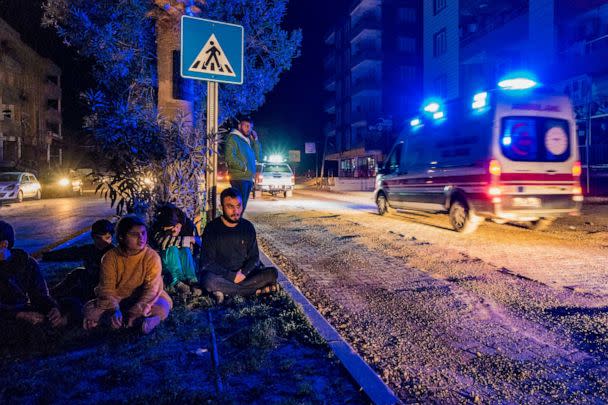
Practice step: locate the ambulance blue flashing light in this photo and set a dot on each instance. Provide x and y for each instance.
(432, 107)
(480, 100)
(506, 141)
(517, 83)
(415, 122)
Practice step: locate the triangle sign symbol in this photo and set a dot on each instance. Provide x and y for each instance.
(212, 59)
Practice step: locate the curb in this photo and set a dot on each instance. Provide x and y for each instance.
(373, 386)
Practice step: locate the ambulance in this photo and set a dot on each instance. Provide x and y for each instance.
(509, 155)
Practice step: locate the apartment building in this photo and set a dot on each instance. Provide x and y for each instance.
(30, 106)
(469, 45)
(373, 78)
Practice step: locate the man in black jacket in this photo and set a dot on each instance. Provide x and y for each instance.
(24, 295)
(230, 260)
(79, 284)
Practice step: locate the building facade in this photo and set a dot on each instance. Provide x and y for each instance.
(373, 75)
(470, 44)
(30, 106)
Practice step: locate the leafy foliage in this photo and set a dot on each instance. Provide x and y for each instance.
(143, 158)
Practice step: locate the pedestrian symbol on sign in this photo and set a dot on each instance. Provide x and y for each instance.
(212, 59)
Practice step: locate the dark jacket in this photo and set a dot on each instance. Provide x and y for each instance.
(81, 282)
(22, 287)
(241, 155)
(227, 250)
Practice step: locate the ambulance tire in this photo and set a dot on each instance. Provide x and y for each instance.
(256, 193)
(463, 220)
(382, 204)
(288, 194)
(541, 224)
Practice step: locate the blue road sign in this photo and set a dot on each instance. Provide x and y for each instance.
(211, 50)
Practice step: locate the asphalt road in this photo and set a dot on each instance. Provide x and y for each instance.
(41, 223)
(505, 315)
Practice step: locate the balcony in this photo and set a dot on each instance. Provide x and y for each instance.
(479, 27)
(370, 21)
(329, 106)
(330, 84)
(53, 115)
(51, 90)
(596, 45)
(364, 54)
(366, 84)
(360, 6)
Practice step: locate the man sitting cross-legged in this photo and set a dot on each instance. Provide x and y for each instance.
(230, 261)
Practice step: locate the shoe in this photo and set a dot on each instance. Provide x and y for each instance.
(182, 288)
(149, 324)
(218, 296)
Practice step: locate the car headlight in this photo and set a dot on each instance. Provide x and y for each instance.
(76, 183)
(64, 182)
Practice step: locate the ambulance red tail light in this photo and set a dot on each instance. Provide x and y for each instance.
(577, 169)
(494, 168)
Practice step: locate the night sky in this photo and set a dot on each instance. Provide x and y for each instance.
(293, 111)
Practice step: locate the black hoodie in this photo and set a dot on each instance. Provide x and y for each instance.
(22, 287)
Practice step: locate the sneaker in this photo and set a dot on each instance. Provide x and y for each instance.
(218, 296)
(149, 324)
(182, 288)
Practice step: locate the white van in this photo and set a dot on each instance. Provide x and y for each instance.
(507, 155)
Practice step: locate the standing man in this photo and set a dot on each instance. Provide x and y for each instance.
(243, 151)
(230, 259)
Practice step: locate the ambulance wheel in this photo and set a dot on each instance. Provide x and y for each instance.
(541, 224)
(38, 195)
(256, 193)
(382, 204)
(20, 196)
(288, 194)
(463, 220)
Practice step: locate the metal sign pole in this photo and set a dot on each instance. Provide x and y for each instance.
(212, 147)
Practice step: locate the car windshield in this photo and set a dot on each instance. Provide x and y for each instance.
(9, 176)
(277, 168)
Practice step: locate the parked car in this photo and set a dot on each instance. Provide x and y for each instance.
(62, 184)
(274, 178)
(19, 186)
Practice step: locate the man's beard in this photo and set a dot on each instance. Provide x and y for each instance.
(230, 220)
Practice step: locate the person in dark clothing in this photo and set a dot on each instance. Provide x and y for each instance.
(79, 284)
(24, 295)
(230, 261)
(176, 239)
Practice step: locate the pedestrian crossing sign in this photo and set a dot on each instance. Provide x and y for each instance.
(211, 50)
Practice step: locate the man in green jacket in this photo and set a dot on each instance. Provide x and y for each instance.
(243, 150)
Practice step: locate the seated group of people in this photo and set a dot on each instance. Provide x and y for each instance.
(124, 285)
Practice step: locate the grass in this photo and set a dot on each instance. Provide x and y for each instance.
(268, 351)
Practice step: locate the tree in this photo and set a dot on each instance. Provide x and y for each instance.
(118, 36)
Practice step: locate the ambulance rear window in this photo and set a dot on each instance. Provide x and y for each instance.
(535, 139)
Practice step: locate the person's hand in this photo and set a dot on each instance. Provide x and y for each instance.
(130, 321)
(33, 318)
(239, 277)
(55, 318)
(117, 319)
(254, 135)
